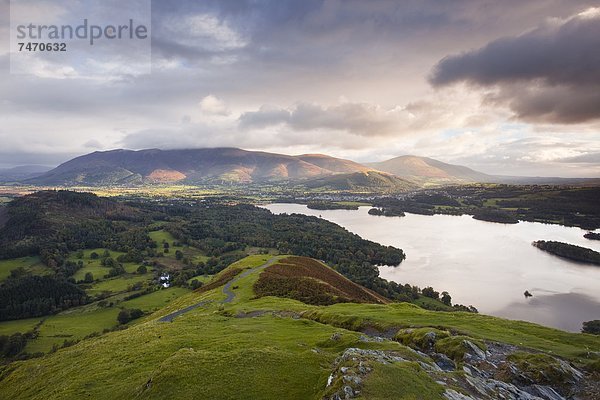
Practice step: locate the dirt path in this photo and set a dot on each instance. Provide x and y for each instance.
(226, 290)
(173, 315)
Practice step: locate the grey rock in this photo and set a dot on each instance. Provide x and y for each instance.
(545, 392)
(442, 361)
(348, 392)
(452, 394)
(473, 352)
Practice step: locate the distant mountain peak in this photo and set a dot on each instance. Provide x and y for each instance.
(426, 170)
(192, 166)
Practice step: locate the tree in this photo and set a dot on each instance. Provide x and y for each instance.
(116, 270)
(142, 269)
(592, 327)
(17, 273)
(89, 277)
(12, 345)
(446, 299)
(178, 254)
(429, 292)
(94, 255)
(124, 316)
(195, 284)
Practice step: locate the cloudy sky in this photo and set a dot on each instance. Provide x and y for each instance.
(505, 87)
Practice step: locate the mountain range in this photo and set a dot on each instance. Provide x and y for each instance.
(22, 172)
(237, 166)
(424, 170)
(193, 166)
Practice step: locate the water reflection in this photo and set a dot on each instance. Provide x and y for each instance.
(485, 264)
(561, 310)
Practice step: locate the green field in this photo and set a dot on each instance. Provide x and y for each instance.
(162, 236)
(20, 325)
(30, 264)
(72, 324)
(191, 253)
(117, 284)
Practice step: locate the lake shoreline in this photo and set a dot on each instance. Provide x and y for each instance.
(486, 264)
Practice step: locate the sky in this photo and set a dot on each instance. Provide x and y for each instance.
(505, 87)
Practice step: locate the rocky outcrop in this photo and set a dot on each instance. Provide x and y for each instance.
(466, 368)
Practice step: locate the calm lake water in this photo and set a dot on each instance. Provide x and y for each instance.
(485, 264)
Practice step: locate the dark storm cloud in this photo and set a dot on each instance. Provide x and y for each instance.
(551, 73)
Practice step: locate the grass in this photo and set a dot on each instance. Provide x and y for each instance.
(72, 324)
(20, 325)
(431, 304)
(540, 368)
(91, 265)
(353, 203)
(402, 381)
(191, 357)
(192, 253)
(420, 338)
(79, 322)
(32, 265)
(312, 282)
(162, 236)
(201, 278)
(210, 353)
(455, 347)
(155, 300)
(244, 291)
(117, 284)
(484, 327)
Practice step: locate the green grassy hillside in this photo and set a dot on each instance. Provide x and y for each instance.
(241, 346)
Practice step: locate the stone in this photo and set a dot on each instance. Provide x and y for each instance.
(442, 361)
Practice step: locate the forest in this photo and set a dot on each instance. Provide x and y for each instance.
(57, 226)
(569, 206)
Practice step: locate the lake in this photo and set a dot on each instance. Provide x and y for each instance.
(484, 264)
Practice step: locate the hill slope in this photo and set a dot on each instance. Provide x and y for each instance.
(28, 224)
(370, 181)
(427, 170)
(192, 166)
(22, 172)
(312, 282)
(274, 348)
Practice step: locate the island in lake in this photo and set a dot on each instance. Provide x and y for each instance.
(570, 251)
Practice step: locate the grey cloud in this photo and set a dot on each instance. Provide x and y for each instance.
(11, 159)
(356, 118)
(562, 104)
(589, 158)
(93, 144)
(551, 73)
